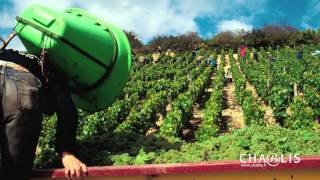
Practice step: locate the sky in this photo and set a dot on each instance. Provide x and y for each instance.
(149, 18)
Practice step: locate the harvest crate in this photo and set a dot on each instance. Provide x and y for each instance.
(307, 169)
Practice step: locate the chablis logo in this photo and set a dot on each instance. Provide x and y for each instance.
(253, 160)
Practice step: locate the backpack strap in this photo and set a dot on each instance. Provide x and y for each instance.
(6, 42)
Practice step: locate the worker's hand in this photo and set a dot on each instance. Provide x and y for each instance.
(74, 168)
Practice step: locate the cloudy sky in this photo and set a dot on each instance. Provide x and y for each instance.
(163, 17)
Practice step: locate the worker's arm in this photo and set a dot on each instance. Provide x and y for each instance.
(66, 133)
(67, 120)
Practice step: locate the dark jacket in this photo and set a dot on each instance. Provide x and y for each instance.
(57, 99)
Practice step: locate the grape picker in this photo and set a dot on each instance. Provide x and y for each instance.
(74, 69)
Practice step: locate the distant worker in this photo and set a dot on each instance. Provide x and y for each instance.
(208, 60)
(211, 62)
(159, 49)
(155, 57)
(195, 51)
(170, 53)
(199, 59)
(142, 59)
(242, 50)
(228, 75)
(299, 55)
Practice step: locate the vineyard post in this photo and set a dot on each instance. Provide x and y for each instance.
(192, 85)
(268, 81)
(295, 89)
(170, 95)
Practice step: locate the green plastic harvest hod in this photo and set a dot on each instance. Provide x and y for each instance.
(93, 56)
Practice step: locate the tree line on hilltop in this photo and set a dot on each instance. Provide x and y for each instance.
(267, 36)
